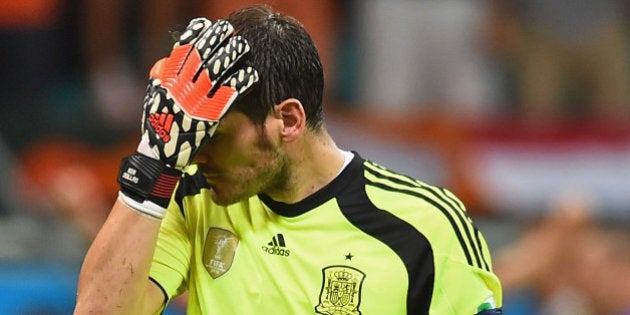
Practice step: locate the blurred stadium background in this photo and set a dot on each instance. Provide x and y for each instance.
(520, 107)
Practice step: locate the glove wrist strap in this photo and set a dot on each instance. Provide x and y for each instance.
(147, 184)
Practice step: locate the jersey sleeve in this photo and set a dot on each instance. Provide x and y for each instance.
(171, 260)
(464, 289)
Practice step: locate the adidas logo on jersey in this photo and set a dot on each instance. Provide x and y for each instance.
(276, 246)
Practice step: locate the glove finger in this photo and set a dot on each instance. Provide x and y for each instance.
(235, 85)
(242, 80)
(195, 29)
(217, 104)
(223, 60)
(172, 66)
(211, 39)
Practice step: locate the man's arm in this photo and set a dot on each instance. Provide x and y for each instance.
(115, 273)
(189, 92)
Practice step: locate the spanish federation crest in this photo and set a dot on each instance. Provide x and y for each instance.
(219, 251)
(341, 291)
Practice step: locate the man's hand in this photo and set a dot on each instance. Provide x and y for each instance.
(188, 93)
(192, 89)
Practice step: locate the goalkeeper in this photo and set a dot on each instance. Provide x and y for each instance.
(238, 196)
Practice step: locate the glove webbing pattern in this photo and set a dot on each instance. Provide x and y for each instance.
(175, 146)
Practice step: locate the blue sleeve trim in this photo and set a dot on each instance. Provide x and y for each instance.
(494, 311)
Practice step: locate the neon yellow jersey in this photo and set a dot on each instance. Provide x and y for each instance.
(371, 242)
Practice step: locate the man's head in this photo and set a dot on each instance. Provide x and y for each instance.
(287, 61)
(259, 144)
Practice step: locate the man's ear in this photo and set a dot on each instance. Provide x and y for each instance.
(291, 112)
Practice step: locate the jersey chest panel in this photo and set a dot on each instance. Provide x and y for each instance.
(287, 265)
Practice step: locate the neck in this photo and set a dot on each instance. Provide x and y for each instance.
(314, 161)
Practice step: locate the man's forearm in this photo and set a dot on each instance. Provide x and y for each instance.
(115, 272)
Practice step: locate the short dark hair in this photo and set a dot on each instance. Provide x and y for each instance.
(287, 62)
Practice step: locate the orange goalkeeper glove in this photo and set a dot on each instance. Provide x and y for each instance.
(188, 93)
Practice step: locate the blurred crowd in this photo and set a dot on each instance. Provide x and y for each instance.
(435, 75)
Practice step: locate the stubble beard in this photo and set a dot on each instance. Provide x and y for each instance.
(270, 175)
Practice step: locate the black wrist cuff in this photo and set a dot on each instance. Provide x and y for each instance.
(142, 178)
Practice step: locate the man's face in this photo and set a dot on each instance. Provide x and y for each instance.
(242, 159)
